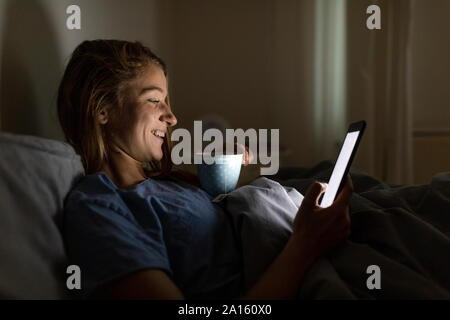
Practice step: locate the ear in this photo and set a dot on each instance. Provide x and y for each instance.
(103, 116)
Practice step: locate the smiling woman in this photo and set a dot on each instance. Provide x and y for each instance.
(115, 83)
(114, 108)
(134, 236)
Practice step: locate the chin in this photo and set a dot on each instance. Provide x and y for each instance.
(157, 157)
(154, 154)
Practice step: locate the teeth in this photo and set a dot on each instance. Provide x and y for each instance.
(158, 133)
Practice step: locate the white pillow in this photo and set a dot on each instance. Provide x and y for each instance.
(35, 176)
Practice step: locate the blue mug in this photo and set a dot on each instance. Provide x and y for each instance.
(219, 174)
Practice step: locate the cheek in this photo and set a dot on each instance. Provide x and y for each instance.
(149, 119)
(136, 121)
(144, 126)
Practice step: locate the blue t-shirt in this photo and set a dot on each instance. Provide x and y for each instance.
(162, 224)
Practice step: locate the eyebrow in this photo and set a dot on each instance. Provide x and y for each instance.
(144, 90)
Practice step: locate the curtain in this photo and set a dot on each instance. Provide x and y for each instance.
(329, 77)
(379, 89)
(326, 70)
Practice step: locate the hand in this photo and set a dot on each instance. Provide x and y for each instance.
(248, 155)
(321, 229)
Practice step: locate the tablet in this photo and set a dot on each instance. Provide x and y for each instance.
(343, 163)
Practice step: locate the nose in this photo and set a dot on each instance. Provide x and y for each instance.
(169, 117)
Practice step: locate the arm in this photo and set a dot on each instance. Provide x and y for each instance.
(280, 281)
(146, 284)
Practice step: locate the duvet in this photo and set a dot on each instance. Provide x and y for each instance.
(402, 230)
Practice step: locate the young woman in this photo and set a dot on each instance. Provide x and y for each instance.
(140, 231)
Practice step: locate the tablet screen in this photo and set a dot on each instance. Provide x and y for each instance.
(339, 168)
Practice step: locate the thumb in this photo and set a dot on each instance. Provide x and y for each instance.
(313, 194)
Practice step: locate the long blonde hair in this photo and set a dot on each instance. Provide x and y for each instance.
(95, 78)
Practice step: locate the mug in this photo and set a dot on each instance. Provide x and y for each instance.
(222, 175)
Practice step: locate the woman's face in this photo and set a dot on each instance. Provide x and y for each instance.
(141, 125)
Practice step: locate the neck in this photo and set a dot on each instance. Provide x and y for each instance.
(123, 170)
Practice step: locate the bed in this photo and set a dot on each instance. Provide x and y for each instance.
(404, 230)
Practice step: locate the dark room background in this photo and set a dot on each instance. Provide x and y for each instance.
(306, 67)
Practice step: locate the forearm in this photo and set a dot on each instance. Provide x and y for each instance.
(283, 277)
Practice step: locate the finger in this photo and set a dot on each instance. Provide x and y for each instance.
(347, 215)
(250, 154)
(346, 193)
(324, 188)
(310, 200)
(245, 160)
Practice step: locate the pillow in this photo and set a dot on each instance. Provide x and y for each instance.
(35, 176)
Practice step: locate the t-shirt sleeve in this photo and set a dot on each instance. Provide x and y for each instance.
(107, 243)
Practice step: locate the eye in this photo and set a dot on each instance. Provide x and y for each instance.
(153, 100)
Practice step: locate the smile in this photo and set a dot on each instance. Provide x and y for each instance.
(158, 133)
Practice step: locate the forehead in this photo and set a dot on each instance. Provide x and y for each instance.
(151, 76)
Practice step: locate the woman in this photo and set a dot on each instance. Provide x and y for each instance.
(149, 232)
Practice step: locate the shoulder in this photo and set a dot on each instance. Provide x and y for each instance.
(97, 183)
(95, 189)
(96, 206)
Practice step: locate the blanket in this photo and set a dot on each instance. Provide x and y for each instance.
(401, 231)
